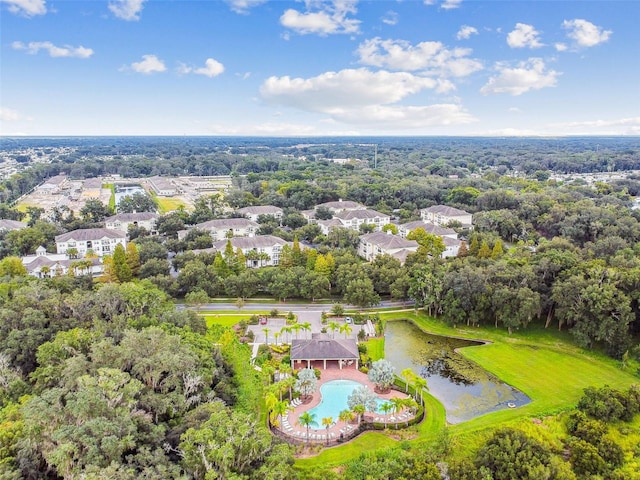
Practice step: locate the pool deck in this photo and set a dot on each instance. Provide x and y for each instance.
(318, 434)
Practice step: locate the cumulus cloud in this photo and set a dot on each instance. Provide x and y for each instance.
(450, 4)
(584, 33)
(53, 50)
(400, 117)
(126, 9)
(212, 68)
(323, 17)
(8, 115)
(363, 97)
(528, 75)
(446, 4)
(390, 18)
(524, 36)
(429, 57)
(27, 8)
(560, 47)
(243, 6)
(465, 32)
(149, 64)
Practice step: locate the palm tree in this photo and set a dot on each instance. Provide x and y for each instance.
(306, 420)
(346, 416)
(266, 335)
(333, 326)
(420, 384)
(270, 401)
(280, 409)
(296, 328)
(45, 270)
(276, 335)
(327, 422)
(306, 326)
(398, 405)
(286, 329)
(346, 328)
(408, 376)
(359, 411)
(386, 407)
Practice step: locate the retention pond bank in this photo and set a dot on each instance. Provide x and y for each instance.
(465, 389)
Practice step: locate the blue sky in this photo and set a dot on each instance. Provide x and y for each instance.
(319, 67)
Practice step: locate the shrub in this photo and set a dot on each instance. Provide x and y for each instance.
(254, 320)
(274, 313)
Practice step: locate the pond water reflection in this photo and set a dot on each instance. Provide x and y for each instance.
(465, 389)
(127, 191)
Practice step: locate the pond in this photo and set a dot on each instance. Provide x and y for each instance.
(127, 191)
(465, 389)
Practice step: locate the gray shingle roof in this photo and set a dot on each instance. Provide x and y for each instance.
(259, 210)
(429, 228)
(321, 347)
(446, 210)
(367, 213)
(387, 241)
(132, 217)
(227, 223)
(260, 241)
(85, 234)
(341, 205)
(11, 225)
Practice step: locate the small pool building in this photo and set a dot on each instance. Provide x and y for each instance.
(322, 351)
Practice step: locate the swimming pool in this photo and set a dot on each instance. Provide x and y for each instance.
(333, 399)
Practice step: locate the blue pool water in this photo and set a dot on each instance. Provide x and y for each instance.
(333, 399)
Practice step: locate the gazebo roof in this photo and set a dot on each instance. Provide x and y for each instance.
(323, 347)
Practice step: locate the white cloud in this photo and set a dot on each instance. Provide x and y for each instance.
(27, 8)
(212, 68)
(560, 47)
(528, 75)
(54, 51)
(126, 9)
(8, 115)
(332, 91)
(524, 36)
(465, 32)
(429, 57)
(323, 17)
(149, 64)
(243, 6)
(364, 98)
(446, 4)
(450, 4)
(392, 117)
(585, 33)
(390, 18)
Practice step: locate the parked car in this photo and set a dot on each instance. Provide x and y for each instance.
(348, 320)
(263, 320)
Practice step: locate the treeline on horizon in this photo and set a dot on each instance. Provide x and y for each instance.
(132, 157)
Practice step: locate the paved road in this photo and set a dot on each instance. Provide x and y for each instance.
(306, 313)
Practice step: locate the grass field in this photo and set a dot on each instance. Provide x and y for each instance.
(375, 348)
(168, 204)
(542, 363)
(227, 319)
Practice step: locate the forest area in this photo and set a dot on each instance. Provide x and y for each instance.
(105, 378)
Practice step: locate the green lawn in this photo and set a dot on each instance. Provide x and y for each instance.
(542, 363)
(339, 455)
(375, 348)
(224, 319)
(170, 204)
